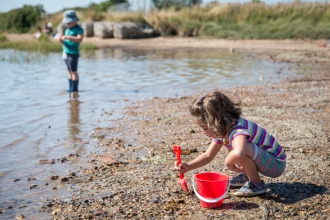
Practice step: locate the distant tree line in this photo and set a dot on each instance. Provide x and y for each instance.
(103, 6)
(22, 19)
(176, 4)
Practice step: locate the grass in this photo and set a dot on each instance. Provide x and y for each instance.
(42, 44)
(251, 20)
(247, 21)
(232, 20)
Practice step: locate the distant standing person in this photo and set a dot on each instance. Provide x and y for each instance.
(71, 39)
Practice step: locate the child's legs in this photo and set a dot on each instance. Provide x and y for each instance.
(74, 76)
(72, 64)
(267, 164)
(249, 166)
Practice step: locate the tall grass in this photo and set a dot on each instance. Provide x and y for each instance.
(42, 44)
(92, 15)
(246, 21)
(232, 21)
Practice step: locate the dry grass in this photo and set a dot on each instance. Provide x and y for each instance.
(231, 20)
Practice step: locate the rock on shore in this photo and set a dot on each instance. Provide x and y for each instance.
(124, 30)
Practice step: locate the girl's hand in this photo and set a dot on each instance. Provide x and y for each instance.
(182, 167)
(234, 168)
(61, 38)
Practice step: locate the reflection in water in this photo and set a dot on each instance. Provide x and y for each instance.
(74, 120)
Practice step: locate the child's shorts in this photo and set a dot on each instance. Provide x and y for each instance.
(71, 61)
(267, 164)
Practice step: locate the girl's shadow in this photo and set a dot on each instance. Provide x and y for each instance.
(289, 193)
(285, 193)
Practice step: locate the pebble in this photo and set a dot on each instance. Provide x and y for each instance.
(148, 190)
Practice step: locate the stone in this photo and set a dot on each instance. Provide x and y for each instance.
(63, 179)
(103, 29)
(60, 29)
(130, 30)
(45, 161)
(88, 29)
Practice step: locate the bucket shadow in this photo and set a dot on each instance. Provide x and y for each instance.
(242, 205)
(289, 193)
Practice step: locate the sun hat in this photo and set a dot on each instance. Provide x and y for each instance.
(49, 24)
(69, 16)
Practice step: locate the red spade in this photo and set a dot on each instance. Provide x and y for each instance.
(182, 181)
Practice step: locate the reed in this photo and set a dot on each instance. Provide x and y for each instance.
(137, 17)
(246, 21)
(232, 20)
(92, 15)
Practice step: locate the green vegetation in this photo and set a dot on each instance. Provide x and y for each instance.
(22, 19)
(246, 21)
(175, 4)
(254, 20)
(3, 39)
(105, 5)
(42, 44)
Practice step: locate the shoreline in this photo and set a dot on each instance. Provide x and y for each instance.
(206, 43)
(297, 51)
(194, 43)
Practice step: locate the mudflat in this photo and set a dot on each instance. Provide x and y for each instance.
(134, 177)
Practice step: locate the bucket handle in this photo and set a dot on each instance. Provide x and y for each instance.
(210, 200)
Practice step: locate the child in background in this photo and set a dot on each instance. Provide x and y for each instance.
(71, 39)
(251, 149)
(48, 29)
(38, 33)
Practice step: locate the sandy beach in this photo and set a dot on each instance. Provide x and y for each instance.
(134, 177)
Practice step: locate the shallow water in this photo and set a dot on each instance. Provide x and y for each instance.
(39, 120)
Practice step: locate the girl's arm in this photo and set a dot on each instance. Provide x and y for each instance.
(61, 39)
(201, 160)
(237, 153)
(76, 39)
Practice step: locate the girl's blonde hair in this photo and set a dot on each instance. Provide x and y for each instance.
(216, 111)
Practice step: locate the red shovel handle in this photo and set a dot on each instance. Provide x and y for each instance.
(177, 152)
(182, 181)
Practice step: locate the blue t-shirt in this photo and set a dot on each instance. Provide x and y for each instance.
(69, 46)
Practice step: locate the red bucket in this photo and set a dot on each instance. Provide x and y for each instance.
(212, 188)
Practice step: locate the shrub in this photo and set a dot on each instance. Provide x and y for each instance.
(22, 19)
(3, 38)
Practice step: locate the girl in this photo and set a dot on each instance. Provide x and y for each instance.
(252, 150)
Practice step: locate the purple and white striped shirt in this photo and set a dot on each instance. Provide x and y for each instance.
(255, 135)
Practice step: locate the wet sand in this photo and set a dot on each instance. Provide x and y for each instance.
(134, 177)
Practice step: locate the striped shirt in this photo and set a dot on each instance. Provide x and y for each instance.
(255, 135)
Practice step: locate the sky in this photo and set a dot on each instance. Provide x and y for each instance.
(52, 6)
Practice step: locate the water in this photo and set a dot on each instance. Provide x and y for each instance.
(39, 120)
